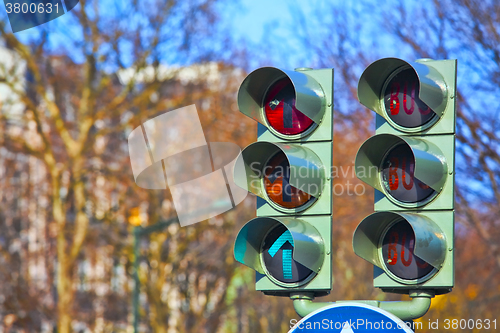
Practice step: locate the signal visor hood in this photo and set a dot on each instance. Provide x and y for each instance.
(309, 96)
(430, 241)
(433, 90)
(309, 247)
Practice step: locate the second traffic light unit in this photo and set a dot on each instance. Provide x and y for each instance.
(410, 164)
(288, 244)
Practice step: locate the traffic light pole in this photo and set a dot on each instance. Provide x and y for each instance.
(139, 231)
(135, 295)
(405, 310)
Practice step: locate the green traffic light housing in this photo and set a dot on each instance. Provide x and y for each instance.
(429, 89)
(410, 162)
(287, 253)
(289, 243)
(300, 167)
(291, 105)
(410, 251)
(408, 172)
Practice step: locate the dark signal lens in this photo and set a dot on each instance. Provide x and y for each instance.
(398, 177)
(277, 184)
(402, 104)
(279, 107)
(277, 253)
(397, 252)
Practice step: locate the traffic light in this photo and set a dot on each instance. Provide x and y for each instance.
(288, 244)
(410, 163)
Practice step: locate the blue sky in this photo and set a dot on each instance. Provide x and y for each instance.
(256, 16)
(262, 24)
(248, 20)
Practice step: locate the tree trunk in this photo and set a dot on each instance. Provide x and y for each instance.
(67, 253)
(64, 292)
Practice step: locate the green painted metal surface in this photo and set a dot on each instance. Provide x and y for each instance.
(431, 166)
(405, 310)
(433, 148)
(437, 89)
(307, 171)
(308, 242)
(310, 156)
(309, 95)
(430, 241)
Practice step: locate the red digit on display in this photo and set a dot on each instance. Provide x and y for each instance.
(400, 241)
(408, 261)
(403, 87)
(412, 98)
(399, 166)
(393, 174)
(403, 169)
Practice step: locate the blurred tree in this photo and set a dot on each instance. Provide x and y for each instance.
(71, 95)
(63, 129)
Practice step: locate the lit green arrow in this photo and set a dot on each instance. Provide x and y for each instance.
(286, 254)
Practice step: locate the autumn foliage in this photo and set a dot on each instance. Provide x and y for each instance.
(68, 201)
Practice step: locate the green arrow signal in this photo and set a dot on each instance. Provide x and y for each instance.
(286, 253)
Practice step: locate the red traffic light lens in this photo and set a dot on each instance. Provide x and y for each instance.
(277, 184)
(402, 104)
(279, 107)
(398, 179)
(397, 253)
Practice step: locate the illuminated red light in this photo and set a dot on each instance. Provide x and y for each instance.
(280, 111)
